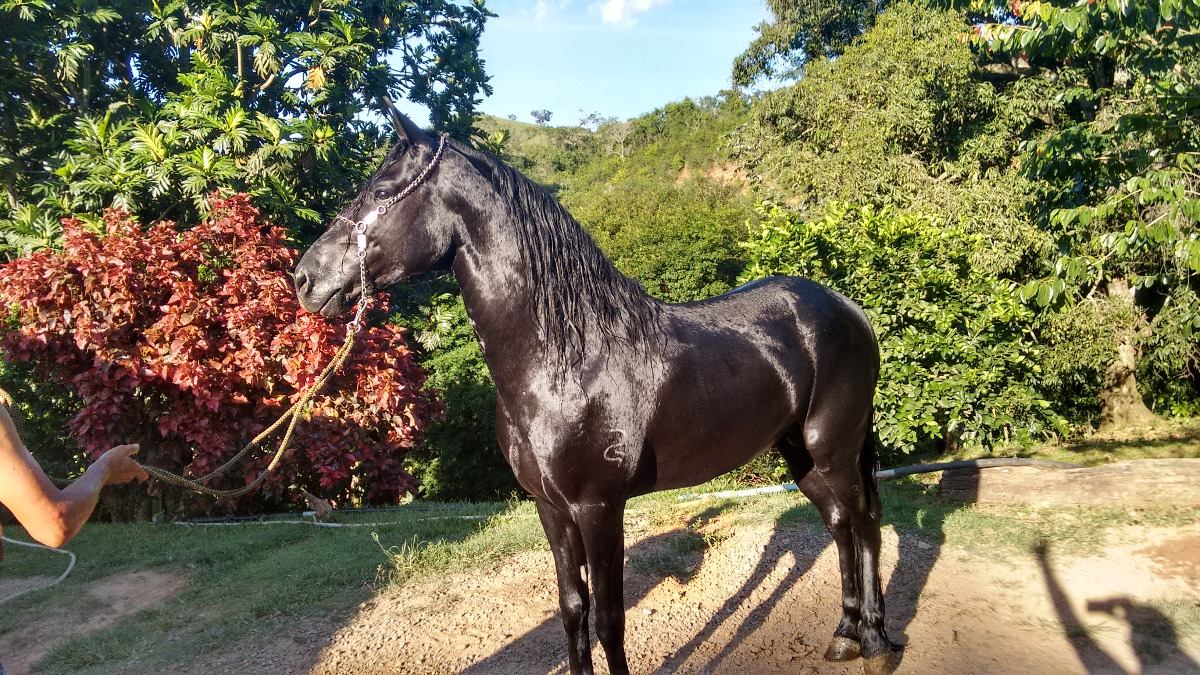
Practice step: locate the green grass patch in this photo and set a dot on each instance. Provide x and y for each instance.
(246, 582)
(515, 530)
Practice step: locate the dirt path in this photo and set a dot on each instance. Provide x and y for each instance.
(104, 603)
(765, 601)
(758, 599)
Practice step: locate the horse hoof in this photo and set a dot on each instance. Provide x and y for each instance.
(843, 649)
(882, 664)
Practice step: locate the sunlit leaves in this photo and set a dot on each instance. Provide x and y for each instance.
(958, 358)
(1123, 160)
(152, 108)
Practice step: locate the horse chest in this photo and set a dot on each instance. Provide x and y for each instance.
(565, 458)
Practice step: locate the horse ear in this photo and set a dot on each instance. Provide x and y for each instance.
(397, 118)
(405, 129)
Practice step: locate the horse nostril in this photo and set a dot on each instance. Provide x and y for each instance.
(302, 282)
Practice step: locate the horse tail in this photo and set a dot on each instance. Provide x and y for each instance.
(868, 462)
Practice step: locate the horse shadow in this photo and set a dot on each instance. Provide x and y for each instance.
(917, 517)
(677, 553)
(778, 546)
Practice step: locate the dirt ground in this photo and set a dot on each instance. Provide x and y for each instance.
(766, 601)
(105, 602)
(762, 600)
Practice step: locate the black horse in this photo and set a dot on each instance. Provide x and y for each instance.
(604, 393)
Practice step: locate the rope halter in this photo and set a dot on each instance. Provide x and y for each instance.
(360, 231)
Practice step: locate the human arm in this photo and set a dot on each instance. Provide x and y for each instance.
(50, 515)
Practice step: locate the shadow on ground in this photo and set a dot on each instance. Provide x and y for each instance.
(1153, 637)
(919, 525)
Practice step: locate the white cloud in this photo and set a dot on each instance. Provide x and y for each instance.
(624, 12)
(542, 9)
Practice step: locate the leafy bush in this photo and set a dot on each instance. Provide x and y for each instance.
(190, 342)
(959, 358)
(902, 118)
(1120, 160)
(680, 242)
(461, 459)
(41, 410)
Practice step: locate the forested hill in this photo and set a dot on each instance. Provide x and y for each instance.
(669, 144)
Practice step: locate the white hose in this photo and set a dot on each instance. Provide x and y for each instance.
(29, 544)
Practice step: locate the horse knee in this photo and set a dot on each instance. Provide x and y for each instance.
(574, 607)
(838, 520)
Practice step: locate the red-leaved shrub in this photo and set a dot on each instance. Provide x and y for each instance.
(191, 341)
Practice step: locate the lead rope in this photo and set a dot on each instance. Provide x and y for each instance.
(291, 415)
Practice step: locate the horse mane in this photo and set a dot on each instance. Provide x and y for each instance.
(579, 298)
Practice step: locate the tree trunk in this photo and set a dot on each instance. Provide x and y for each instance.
(1121, 403)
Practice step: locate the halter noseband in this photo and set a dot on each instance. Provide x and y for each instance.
(360, 230)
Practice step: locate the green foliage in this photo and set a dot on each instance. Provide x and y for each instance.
(152, 107)
(683, 137)
(680, 242)
(957, 355)
(548, 155)
(803, 30)
(1122, 160)
(462, 460)
(661, 198)
(1081, 340)
(665, 146)
(41, 410)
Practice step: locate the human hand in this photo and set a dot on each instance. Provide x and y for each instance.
(120, 467)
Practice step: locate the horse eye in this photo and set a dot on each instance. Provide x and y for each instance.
(381, 194)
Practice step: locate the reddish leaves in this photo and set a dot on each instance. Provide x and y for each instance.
(191, 342)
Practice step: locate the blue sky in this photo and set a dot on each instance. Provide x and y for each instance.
(619, 58)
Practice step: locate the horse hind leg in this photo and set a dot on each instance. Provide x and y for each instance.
(880, 656)
(840, 482)
(845, 643)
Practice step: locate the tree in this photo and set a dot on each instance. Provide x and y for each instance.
(1123, 163)
(150, 107)
(192, 341)
(679, 241)
(462, 459)
(803, 30)
(902, 119)
(542, 117)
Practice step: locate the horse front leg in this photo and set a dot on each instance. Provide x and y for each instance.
(566, 544)
(603, 530)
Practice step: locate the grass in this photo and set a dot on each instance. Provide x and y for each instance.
(1183, 619)
(247, 582)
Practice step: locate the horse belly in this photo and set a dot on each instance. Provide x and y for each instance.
(709, 425)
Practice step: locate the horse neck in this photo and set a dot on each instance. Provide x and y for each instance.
(496, 291)
(495, 279)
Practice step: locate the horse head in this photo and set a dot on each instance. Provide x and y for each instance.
(398, 211)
